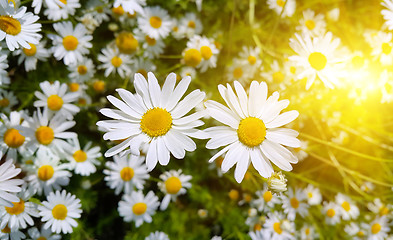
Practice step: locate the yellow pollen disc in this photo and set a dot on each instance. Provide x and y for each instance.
(175, 29)
(346, 206)
(45, 172)
(126, 42)
(54, 102)
(127, 174)
(100, 9)
(143, 72)
(4, 102)
(59, 212)
(10, 25)
(82, 101)
(82, 69)
(192, 57)
(309, 195)
(317, 60)
(139, 208)
(116, 61)
(156, 122)
(44, 135)
(330, 212)
(129, 15)
(386, 48)
(294, 203)
(292, 70)
(206, 52)
(70, 43)
(360, 234)
(277, 227)
(252, 60)
(42, 238)
(383, 211)
(281, 3)
(257, 227)
(191, 24)
(30, 52)
(278, 77)
(267, 196)
(79, 156)
(150, 41)
(173, 185)
(99, 86)
(251, 131)
(18, 208)
(358, 61)
(307, 231)
(247, 198)
(375, 228)
(233, 194)
(118, 11)
(155, 22)
(63, 1)
(310, 24)
(13, 138)
(74, 87)
(237, 72)
(6, 229)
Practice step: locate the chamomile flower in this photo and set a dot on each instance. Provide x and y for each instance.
(55, 100)
(7, 101)
(293, 203)
(155, 117)
(44, 234)
(131, 6)
(138, 208)
(253, 130)
(279, 227)
(174, 183)
(99, 11)
(81, 71)
(317, 58)
(113, 61)
(312, 24)
(200, 53)
(6, 234)
(332, 213)
(31, 56)
(71, 43)
(289, 7)
(386, 86)
(249, 56)
(379, 208)
(89, 22)
(157, 236)
(260, 235)
(61, 9)
(378, 229)
(59, 212)
(307, 233)
(47, 173)
(348, 209)
(156, 22)
(388, 13)
(190, 25)
(126, 173)
(238, 72)
(276, 76)
(382, 48)
(313, 195)
(17, 27)
(83, 161)
(152, 47)
(265, 200)
(9, 186)
(356, 231)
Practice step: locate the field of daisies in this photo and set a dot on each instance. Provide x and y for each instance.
(191, 119)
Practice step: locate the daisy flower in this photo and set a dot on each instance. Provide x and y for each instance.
(378, 229)
(253, 132)
(113, 61)
(249, 56)
(126, 173)
(99, 11)
(7, 101)
(312, 24)
(138, 208)
(143, 66)
(61, 9)
(259, 235)
(131, 6)
(356, 231)
(44, 234)
(277, 183)
(55, 99)
(265, 200)
(293, 203)
(317, 58)
(382, 48)
(348, 209)
(17, 27)
(238, 72)
(9, 186)
(31, 56)
(279, 227)
(277, 76)
(332, 213)
(313, 195)
(126, 42)
(379, 208)
(59, 212)
(81, 71)
(308, 233)
(6, 234)
(201, 52)
(83, 161)
(155, 23)
(157, 236)
(152, 47)
(190, 25)
(173, 184)
(155, 117)
(388, 13)
(47, 174)
(71, 43)
(13, 141)
(278, 5)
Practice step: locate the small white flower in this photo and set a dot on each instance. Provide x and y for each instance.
(44, 234)
(332, 213)
(278, 5)
(156, 22)
(313, 195)
(31, 56)
(60, 9)
(348, 209)
(293, 204)
(157, 236)
(173, 184)
(131, 6)
(83, 161)
(81, 71)
(113, 61)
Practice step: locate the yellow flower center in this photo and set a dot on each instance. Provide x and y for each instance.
(292, 70)
(281, 3)
(129, 15)
(360, 234)
(383, 211)
(277, 227)
(118, 11)
(233, 194)
(99, 86)
(18, 208)
(139, 208)
(278, 77)
(310, 24)
(155, 22)
(173, 185)
(309, 194)
(191, 24)
(82, 101)
(54, 102)
(375, 228)
(59, 212)
(74, 86)
(42, 238)
(206, 52)
(13, 138)
(386, 48)
(252, 60)
(346, 206)
(317, 60)
(79, 156)
(330, 212)
(251, 131)
(156, 122)
(30, 52)
(63, 1)
(257, 227)
(175, 29)
(116, 61)
(82, 69)
(6, 229)
(294, 203)
(4, 102)
(307, 231)
(237, 72)
(267, 196)
(70, 43)
(10, 25)
(44, 135)
(127, 174)
(192, 57)
(126, 42)
(150, 41)
(45, 172)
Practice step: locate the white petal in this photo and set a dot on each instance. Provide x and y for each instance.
(274, 156)
(283, 119)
